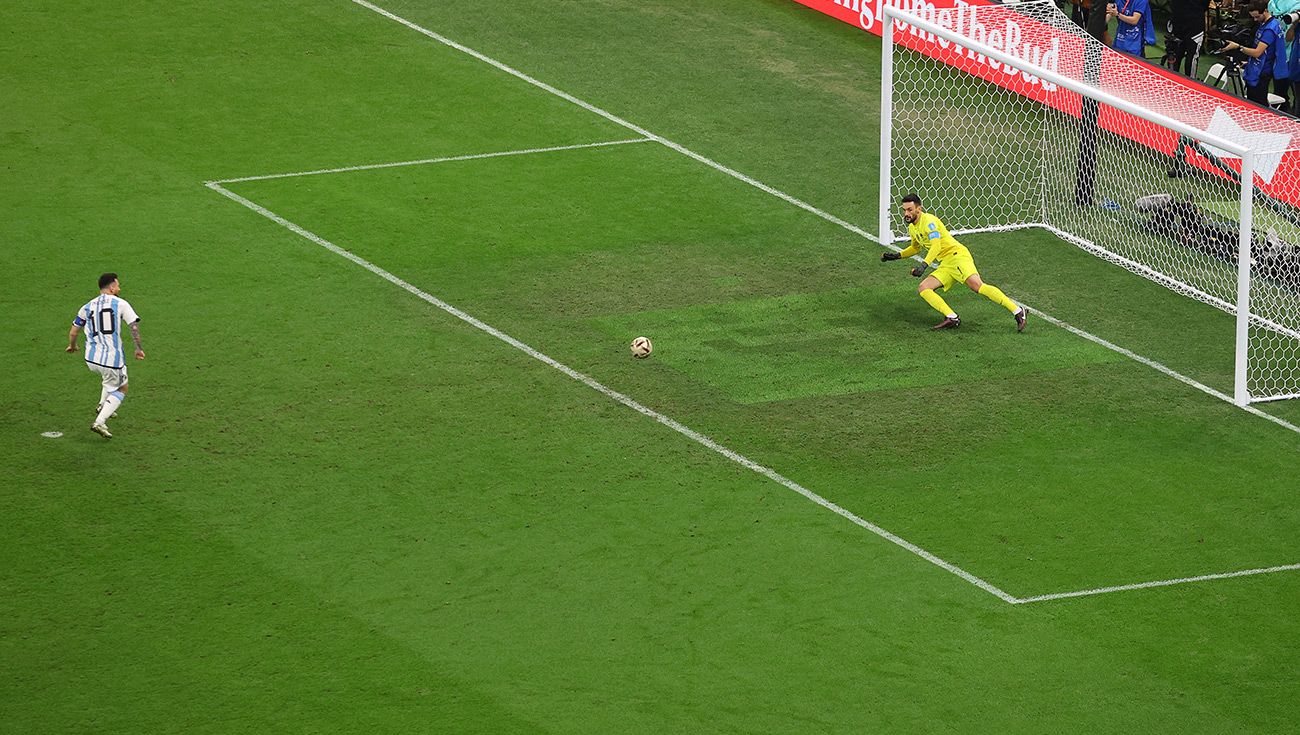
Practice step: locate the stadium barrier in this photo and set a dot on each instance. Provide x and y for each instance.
(1198, 105)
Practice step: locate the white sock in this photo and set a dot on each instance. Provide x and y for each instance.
(111, 402)
(103, 393)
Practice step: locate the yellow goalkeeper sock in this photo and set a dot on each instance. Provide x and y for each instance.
(936, 301)
(994, 294)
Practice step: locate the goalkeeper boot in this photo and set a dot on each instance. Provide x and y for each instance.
(949, 322)
(1020, 319)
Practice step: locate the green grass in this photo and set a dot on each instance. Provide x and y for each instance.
(829, 344)
(331, 507)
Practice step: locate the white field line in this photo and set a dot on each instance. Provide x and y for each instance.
(705, 440)
(623, 399)
(423, 161)
(617, 120)
(1161, 368)
(1157, 583)
(797, 202)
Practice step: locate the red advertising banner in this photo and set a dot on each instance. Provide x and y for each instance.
(1153, 87)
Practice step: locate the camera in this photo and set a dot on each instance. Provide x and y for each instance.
(1174, 48)
(1222, 35)
(1289, 18)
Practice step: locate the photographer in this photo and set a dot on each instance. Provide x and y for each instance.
(1187, 22)
(1287, 12)
(1135, 28)
(1293, 60)
(1263, 55)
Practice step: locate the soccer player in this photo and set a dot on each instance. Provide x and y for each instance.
(103, 317)
(955, 265)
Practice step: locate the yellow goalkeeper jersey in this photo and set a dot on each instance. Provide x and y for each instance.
(929, 232)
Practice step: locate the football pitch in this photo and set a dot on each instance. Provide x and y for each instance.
(390, 467)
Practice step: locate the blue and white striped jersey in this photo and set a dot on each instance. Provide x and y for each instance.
(103, 318)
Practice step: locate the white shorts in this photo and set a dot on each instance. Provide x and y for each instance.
(114, 378)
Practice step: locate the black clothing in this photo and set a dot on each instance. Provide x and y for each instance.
(1259, 92)
(1188, 17)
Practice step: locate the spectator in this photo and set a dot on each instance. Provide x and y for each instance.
(1283, 83)
(1135, 28)
(1187, 20)
(1079, 12)
(1293, 63)
(1258, 73)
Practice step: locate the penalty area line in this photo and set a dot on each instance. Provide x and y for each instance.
(425, 161)
(648, 136)
(621, 398)
(1158, 583)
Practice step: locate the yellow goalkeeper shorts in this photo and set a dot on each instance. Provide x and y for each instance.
(955, 269)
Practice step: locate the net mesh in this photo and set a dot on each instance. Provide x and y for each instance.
(992, 146)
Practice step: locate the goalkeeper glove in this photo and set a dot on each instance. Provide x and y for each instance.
(918, 271)
(889, 256)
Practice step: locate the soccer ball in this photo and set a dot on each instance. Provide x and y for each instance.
(641, 347)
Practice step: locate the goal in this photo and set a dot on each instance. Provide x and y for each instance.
(1010, 116)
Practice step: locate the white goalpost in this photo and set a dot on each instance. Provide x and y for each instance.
(1009, 116)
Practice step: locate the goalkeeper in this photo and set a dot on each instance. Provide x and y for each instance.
(955, 265)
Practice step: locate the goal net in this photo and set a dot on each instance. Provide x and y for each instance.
(1010, 116)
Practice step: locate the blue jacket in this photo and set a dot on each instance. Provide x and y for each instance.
(1288, 61)
(1269, 32)
(1293, 58)
(1132, 39)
